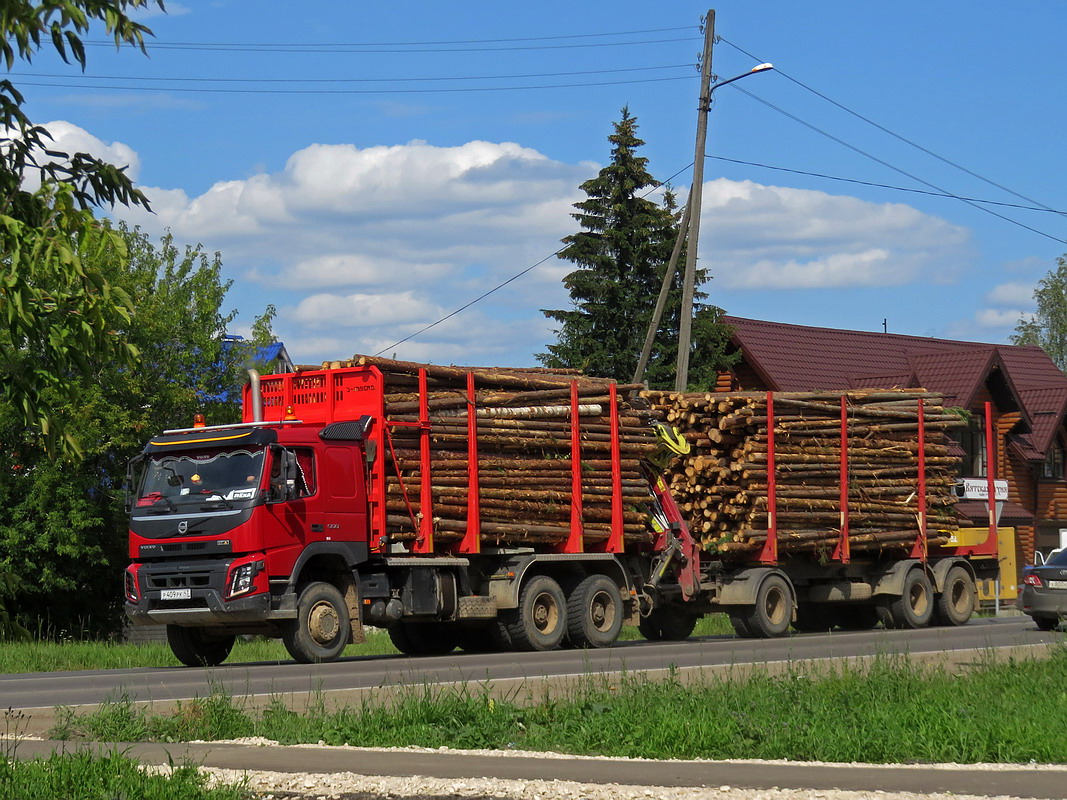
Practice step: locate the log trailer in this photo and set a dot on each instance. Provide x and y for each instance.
(278, 526)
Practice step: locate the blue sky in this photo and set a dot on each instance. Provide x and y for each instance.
(370, 168)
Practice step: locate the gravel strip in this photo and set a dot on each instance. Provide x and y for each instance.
(352, 786)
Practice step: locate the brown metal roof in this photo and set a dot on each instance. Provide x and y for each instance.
(976, 512)
(803, 358)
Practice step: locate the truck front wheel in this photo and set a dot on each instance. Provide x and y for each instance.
(322, 626)
(199, 647)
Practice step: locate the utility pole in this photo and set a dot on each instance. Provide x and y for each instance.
(685, 329)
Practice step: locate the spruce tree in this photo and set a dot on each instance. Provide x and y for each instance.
(621, 254)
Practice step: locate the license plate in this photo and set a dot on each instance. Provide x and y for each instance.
(1057, 584)
(175, 594)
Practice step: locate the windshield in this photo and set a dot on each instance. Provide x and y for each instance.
(224, 477)
(1058, 559)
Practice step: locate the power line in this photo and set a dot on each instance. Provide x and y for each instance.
(884, 185)
(417, 44)
(68, 76)
(375, 49)
(512, 279)
(200, 90)
(895, 135)
(886, 164)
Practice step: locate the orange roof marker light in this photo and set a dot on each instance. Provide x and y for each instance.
(289, 414)
(198, 421)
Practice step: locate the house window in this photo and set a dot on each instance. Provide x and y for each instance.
(972, 441)
(1052, 469)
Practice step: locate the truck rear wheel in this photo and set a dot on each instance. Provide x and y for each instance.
(199, 647)
(914, 607)
(594, 612)
(956, 603)
(322, 627)
(541, 618)
(424, 638)
(667, 624)
(772, 612)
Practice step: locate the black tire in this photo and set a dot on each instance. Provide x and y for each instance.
(199, 647)
(322, 628)
(772, 612)
(667, 624)
(858, 617)
(915, 606)
(1043, 623)
(540, 621)
(424, 638)
(955, 604)
(814, 618)
(594, 612)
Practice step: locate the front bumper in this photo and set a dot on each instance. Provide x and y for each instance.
(205, 606)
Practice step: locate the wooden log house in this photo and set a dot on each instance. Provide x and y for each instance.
(1027, 391)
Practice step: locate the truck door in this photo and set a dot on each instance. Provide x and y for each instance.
(344, 501)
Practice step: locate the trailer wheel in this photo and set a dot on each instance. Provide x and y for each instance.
(859, 617)
(199, 647)
(667, 624)
(541, 618)
(772, 612)
(915, 606)
(956, 603)
(424, 638)
(322, 627)
(594, 612)
(814, 618)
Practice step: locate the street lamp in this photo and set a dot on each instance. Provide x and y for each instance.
(685, 328)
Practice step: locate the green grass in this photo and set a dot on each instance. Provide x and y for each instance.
(83, 776)
(46, 656)
(892, 711)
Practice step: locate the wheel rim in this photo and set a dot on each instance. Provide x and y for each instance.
(545, 613)
(919, 599)
(959, 597)
(602, 612)
(323, 623)
(776, 606)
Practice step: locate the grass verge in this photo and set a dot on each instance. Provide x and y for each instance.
(891, 710)
(46, 656)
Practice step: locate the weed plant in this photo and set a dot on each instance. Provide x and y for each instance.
(890, 711)
(84, 776)
(44, 655)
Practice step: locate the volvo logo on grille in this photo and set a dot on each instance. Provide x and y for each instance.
(183, 526)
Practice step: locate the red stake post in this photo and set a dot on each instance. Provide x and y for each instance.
(769, 553)
(472, 540)
(841, 552)
(920, 549)
(575, 543)
(424, 542)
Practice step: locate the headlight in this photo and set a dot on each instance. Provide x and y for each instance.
(243, 579)
(133, 594)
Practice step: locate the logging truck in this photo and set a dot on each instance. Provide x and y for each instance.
(474, 509)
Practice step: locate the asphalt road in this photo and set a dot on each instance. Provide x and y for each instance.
(47, 690)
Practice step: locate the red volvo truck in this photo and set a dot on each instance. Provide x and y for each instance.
(277, 526)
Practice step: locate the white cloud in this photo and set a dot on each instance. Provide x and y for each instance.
(771, 237)
(998, 317)
(1011, 294)
(71, 139)
(362, 247)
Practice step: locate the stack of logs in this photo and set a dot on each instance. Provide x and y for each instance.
(524, 454)
(722, 485)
